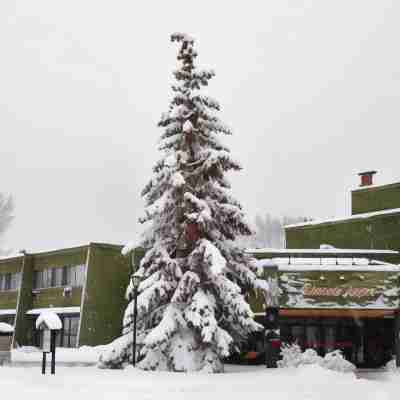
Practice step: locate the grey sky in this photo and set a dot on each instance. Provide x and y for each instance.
(310, 88)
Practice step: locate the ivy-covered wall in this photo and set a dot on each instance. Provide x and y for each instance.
(104, 297)
(22, 324)
(376, 232)
(370, 199)
(60, 258)
(8, 299)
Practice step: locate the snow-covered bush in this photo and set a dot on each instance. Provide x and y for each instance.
(292, 356)
(336, 362)
(391, 365)
(310, 356)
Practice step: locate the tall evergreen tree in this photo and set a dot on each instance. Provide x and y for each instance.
(191, 306)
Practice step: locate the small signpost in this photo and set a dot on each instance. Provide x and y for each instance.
(49, 323)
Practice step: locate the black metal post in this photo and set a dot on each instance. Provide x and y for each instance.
(272, 337)
(53, 352)
(397, 337)
(135, 293)
(44, 363)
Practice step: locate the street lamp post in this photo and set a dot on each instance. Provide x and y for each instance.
(135, 285)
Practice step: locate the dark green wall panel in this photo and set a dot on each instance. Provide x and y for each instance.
(104, 302)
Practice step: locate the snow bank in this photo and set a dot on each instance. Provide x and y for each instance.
(310, 382)
(84, 354)
(6, 328)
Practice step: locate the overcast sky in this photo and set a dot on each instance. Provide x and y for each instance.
(310, 88)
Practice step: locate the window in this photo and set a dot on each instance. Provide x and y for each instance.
(69, 275)
(70, 331)
(8, 319)
(9, 281)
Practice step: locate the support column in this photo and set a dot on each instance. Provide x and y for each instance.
(397, 337)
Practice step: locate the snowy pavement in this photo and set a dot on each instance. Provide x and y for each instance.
(310, 382)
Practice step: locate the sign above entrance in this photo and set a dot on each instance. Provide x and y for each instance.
(338, 289)
(309, 290)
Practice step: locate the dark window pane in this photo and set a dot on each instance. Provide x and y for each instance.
(58, 276)
(74, 325)
(72, 341)
(7, 285)
(68, 272)
(64, 276)
(52, 272)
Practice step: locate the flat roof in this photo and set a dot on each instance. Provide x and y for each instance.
(377, 187)
(58, 250)
(322, 253)
(327, 264)
(8, 311)
(344, 219)
(57, 310)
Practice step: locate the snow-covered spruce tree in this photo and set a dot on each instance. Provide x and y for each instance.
(191, 306)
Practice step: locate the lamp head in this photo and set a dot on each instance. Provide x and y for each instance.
(136, 279)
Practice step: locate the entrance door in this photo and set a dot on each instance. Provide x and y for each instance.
(379, 342)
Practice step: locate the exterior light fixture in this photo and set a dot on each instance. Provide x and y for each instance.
(322, 278)
(362, 277)
(341, 277)
(135, 284)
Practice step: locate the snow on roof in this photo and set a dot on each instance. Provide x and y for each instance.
(54, 250)
(321, 251)
(377, 186)
(8, 311)
(327, 264)
(10, 255)
(6, 328)
(342, 219)
(50, 319)
(57, 310)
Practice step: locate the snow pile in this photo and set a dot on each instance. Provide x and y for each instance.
(81, 355)
(292, 356)
(391, 365)
(6, 328)
(308, 383)
(49, 319)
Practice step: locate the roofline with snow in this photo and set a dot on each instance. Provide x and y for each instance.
(355, 217)
(62, 250)
(321, 253)
(375, 187)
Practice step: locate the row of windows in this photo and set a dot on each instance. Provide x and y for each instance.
(10, 281)
(8, 319)
(66, 337)
(69, 275)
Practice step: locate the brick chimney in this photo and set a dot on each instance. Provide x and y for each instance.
(367, 178)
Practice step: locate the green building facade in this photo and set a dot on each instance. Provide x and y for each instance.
(84, 285)
(374, 224)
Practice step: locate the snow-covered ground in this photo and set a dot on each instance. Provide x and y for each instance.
(309, 382)
(23, 378)
(83, 355)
